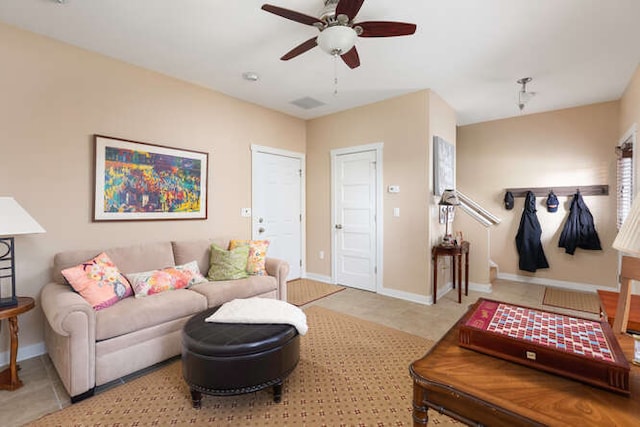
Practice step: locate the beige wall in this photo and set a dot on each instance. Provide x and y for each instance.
(479, 238)
(405, 125)
(630, 104)
(442, 123)
(571, 147)
(55, 97)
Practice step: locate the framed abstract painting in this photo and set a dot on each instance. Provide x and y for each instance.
(141, 181)
(444, 163)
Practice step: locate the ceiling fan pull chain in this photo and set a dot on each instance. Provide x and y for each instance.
(335, 74)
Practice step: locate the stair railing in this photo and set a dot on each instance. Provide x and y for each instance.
(476, 211)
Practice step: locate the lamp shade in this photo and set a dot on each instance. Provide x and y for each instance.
(628, 238)
(15, 220)
(337, 40)
(449, 198)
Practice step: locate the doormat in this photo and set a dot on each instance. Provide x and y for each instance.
(572, 300)
(304, 291)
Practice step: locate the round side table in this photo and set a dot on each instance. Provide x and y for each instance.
(9, 377)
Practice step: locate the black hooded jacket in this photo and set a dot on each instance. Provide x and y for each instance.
(528, 238)
(579, 231)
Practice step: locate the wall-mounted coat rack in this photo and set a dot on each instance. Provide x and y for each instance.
(586, 190)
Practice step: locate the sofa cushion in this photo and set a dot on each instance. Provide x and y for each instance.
(228, 265)
(99, 281)
(257, 255)
(200, 250)
(218, 293)
(167, 279)
(129, 259)
(133, 314)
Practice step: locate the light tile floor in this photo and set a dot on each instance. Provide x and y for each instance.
(43, 392)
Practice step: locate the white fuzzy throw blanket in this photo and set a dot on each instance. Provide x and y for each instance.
(260, 310)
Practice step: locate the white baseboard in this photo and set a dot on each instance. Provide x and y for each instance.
(480, 287)
(407, 296)
(318, 277)
(26, 352)
(575, 286)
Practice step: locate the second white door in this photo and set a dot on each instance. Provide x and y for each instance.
(354, 225)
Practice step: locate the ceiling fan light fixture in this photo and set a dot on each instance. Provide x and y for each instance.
(337, 39)
(523, 96)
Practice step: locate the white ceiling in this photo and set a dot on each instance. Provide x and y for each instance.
(471, 52)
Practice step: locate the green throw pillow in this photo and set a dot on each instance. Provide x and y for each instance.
(228, 265)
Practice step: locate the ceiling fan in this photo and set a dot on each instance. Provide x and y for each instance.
(338, 32)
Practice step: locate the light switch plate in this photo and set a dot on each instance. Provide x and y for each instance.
(245, 212)
(394, 189)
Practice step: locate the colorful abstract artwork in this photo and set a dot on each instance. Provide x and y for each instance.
(140, 181)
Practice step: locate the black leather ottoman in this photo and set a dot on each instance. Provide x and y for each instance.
(224, 359)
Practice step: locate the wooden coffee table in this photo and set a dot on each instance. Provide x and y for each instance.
(483, 390)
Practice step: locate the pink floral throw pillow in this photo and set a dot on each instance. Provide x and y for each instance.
(98, 281)
(257, 255)
(167, 279)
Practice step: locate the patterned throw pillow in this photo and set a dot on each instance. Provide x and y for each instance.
(257, 255)
(98, 281)
(167, 279)
(192, 267)
(228, 265)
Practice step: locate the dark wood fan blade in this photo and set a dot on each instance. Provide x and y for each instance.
(349, 8)
(291, 14)
(351, 58)
(300, 49)
(385, 29)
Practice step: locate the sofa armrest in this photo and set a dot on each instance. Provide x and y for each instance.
(70, 336)
(279, 269)
(58, 302)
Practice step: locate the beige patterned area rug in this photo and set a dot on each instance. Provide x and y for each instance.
(352, 372)
(579, 301)
(304, 291)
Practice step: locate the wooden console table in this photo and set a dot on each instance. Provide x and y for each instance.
(455, 252)
(9, 377)
(483, 390)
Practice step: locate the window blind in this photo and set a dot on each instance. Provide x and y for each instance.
(624, 180)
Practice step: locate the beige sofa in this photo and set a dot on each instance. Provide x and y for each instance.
(90, 348)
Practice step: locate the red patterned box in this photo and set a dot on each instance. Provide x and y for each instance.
(581, 349)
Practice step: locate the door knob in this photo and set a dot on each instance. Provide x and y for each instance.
(261, 230)
(338, 226)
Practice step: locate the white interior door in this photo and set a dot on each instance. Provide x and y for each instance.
(354, 228)
(277, 205)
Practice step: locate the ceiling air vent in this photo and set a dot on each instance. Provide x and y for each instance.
(307, 103)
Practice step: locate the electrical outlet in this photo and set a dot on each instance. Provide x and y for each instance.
(245, 212)
(321, 254)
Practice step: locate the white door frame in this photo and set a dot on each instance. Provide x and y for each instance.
(255, 149)
(377, 147)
